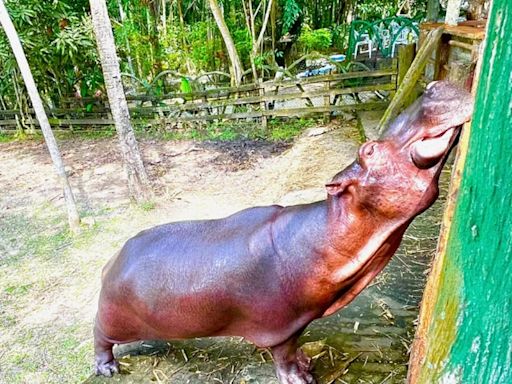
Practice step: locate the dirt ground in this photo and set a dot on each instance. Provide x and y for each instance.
(49, 279)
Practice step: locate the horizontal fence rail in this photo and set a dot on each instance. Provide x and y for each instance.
(276, 99)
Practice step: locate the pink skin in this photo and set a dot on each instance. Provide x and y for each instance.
(265, 273)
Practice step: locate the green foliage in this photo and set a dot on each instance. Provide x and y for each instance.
(315, 40)
(185, 86)
(291, 12)
(277, 130)
(58, 40)
(288, 130)
(60, 46)
(6, 137)
(376, 9)
(147, 205)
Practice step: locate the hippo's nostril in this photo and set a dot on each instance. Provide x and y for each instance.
(367, 149)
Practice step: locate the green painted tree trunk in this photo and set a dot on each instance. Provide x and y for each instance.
(466, 332)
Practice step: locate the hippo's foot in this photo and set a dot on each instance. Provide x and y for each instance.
(106, 368)
(294, 374)
(292, 365)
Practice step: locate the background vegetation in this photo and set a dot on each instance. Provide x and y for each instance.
(163, 43)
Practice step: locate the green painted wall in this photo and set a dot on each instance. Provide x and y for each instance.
(469, 339)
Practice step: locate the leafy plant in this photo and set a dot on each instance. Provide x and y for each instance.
(291, 13)
(315, 40)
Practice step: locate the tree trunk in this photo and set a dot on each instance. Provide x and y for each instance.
(236, 65)
(138, 181)
(12, 36)
(452, 12)
(433, 10)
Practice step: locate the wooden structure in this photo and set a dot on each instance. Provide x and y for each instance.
(465, 331)
(457, 53)
(287, 98)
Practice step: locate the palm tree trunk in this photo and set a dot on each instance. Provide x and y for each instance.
(138, 181)
(236, 65)
(12, 36)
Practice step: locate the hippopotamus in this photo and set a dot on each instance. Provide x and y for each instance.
(265, 273)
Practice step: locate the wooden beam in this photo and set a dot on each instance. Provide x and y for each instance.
(411, 78)
(405, 60)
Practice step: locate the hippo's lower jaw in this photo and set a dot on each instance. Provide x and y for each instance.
(429, 151)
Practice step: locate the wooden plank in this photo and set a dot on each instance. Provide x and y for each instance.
(469, 32)
(59, 122)
(269, 98)
(263, 106)
(464, 330)
(327, 101)
(229, 116)
(411, 78)
(336, 77)
(460, 44)
(405, 59)
(284, 112)
(224, 92)
(9, 122)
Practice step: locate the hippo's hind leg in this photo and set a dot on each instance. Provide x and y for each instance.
(105, 364)
(292, 365)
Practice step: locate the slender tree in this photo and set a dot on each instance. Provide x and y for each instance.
(257, 42)
(236, 65)
(138, 181)
(37, 104)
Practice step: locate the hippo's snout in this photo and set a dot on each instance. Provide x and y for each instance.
(427, 129)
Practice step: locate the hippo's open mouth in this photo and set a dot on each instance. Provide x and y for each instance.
(428, 151)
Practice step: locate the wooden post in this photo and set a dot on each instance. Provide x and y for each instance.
(411, 78)
(464, 334)
(459, 72)
(405, 59)
(327, 101)
(263, 105)
(442, 56)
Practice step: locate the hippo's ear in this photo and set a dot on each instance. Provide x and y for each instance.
(336, 188)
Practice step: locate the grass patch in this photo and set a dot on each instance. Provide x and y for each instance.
(44, 340)
(277, 130)
(7, 137)
(66, 357)
(147, 206)
(288, 130)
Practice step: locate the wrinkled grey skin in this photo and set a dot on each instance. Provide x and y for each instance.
(265, 273)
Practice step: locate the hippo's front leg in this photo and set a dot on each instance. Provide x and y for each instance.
(292, 365)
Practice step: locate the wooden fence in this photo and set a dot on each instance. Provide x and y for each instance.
(325, 95)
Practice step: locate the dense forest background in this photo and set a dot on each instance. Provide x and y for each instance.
(165, 41)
